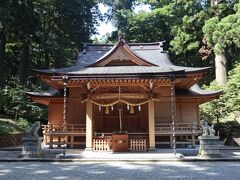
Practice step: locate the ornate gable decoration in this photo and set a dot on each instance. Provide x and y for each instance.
(121, 55)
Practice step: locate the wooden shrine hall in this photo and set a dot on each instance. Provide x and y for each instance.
(122, 97)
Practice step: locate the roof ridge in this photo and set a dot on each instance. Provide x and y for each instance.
(92, 44)
(122, 42)
(129, 43)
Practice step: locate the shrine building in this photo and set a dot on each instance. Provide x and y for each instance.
(123, 97)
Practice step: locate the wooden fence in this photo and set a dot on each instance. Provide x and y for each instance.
(182, 130)
(54, 134)
(102, 144)
(138, 145)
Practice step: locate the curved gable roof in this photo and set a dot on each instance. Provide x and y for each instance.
(122, 49)
(149, 59)
(150, 52)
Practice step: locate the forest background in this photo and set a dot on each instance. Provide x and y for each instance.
(43, 34)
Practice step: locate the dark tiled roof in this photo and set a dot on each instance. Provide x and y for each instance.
(74, 70)
(150, 52)
(195, 90)
(50, 93)
(155, 56)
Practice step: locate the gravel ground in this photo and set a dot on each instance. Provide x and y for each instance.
(81, 154)
(119, 171)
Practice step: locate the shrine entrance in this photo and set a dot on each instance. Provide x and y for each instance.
(120, 128)
(134, 120)
(120, 118)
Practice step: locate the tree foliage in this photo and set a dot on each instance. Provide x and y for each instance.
(180, 23)
(16, 104)
(147, 27)
(222, 33)
(44, 34)
(38, 34)
(227, 107)
(118, 13)
(192, 29)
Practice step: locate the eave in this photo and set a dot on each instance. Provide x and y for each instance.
(196, 99)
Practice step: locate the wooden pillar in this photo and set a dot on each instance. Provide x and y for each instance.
(151, 125)
(89, 123)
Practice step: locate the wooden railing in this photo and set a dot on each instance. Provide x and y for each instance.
(182, 130)
(102, 144)
(138, 145)
(70, 128)
(54, 134)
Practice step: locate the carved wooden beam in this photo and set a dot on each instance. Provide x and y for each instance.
(123, 95)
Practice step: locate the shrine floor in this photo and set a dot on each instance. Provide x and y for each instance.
(183, 154)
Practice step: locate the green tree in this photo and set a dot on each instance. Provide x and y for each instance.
(118, 13)
(178, 22)
(17, 105)
(187, 30)
(147, 27)
(39, 34)
(25, 26)
(64, 26)
(220, 34)
(5, 26)
(228, 104)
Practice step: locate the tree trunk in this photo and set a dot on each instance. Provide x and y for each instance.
(2, 64)
(215, 2)
(220, 59)
(2, 58)
(24, 61)
(47, 59)
(220, 68)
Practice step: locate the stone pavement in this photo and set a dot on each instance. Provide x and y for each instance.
(228, 154)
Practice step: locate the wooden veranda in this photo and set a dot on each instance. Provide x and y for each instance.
(186, 134)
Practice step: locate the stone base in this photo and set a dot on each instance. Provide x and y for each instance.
(209, 146)
(88, 149)
(69, 156)
(31, 147)
(31, 155)
(152, 149)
